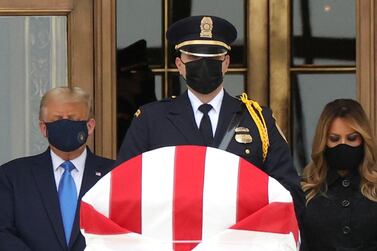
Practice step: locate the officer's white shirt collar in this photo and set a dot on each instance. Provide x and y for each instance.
(76, 173)
(213, 113)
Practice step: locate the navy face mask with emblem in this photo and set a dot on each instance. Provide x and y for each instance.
(204, 75)
(344, 157)
(67, 135)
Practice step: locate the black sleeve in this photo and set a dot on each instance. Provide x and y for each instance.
(279, 165)
(279, 162)
(370, 246)
(9, 240)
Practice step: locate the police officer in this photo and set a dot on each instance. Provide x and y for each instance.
(206, 114)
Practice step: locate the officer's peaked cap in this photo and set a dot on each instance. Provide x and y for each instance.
(203, 36)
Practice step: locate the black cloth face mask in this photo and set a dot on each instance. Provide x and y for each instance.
(67, 135)
(344, 157)
(204, 75)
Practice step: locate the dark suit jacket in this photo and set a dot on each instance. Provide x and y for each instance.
(30, 216)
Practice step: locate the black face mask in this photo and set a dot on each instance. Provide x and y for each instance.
(344, 157)
(67, 135)
(204, 75)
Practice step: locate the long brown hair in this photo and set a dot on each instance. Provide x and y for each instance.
(314, 175)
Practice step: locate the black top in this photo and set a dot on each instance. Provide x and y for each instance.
(341, 219)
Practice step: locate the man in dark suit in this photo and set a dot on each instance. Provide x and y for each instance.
(239, 126)
(40, 194)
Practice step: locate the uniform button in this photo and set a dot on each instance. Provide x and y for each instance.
(345, 203)
(346, 230)
(247, 151)
(346, 183)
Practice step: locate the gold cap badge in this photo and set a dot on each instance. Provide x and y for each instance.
(206, 26)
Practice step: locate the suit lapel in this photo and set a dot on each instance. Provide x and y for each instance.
(182, 117)
(44, 177)
(92, 173)
(229, 107)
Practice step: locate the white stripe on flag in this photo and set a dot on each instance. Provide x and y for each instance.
(276, 192)
(220, 191)
(99, 195)
(242, 240)
(122, 242)
(157, 193)
(230, 239)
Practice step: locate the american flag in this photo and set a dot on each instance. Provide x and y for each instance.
(188, 198)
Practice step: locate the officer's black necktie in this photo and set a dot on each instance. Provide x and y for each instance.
(205, 126)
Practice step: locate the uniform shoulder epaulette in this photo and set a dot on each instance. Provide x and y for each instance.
(253, 107)
(245, 99)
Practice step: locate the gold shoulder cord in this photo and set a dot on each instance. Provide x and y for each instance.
(261, 124)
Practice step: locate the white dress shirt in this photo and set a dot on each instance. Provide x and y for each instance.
(76, 173)
(213, 113)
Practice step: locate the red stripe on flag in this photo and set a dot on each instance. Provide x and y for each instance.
(125, 195)
(252, 193)
(188, 195)
(94, 222)
(276, 217)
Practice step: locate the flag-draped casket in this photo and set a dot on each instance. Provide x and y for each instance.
(188, 198)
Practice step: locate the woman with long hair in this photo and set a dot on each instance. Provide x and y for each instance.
(341, 181)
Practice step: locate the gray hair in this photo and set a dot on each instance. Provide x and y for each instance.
(66, 94)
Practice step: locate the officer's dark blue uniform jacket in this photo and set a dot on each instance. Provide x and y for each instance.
(171, 122)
